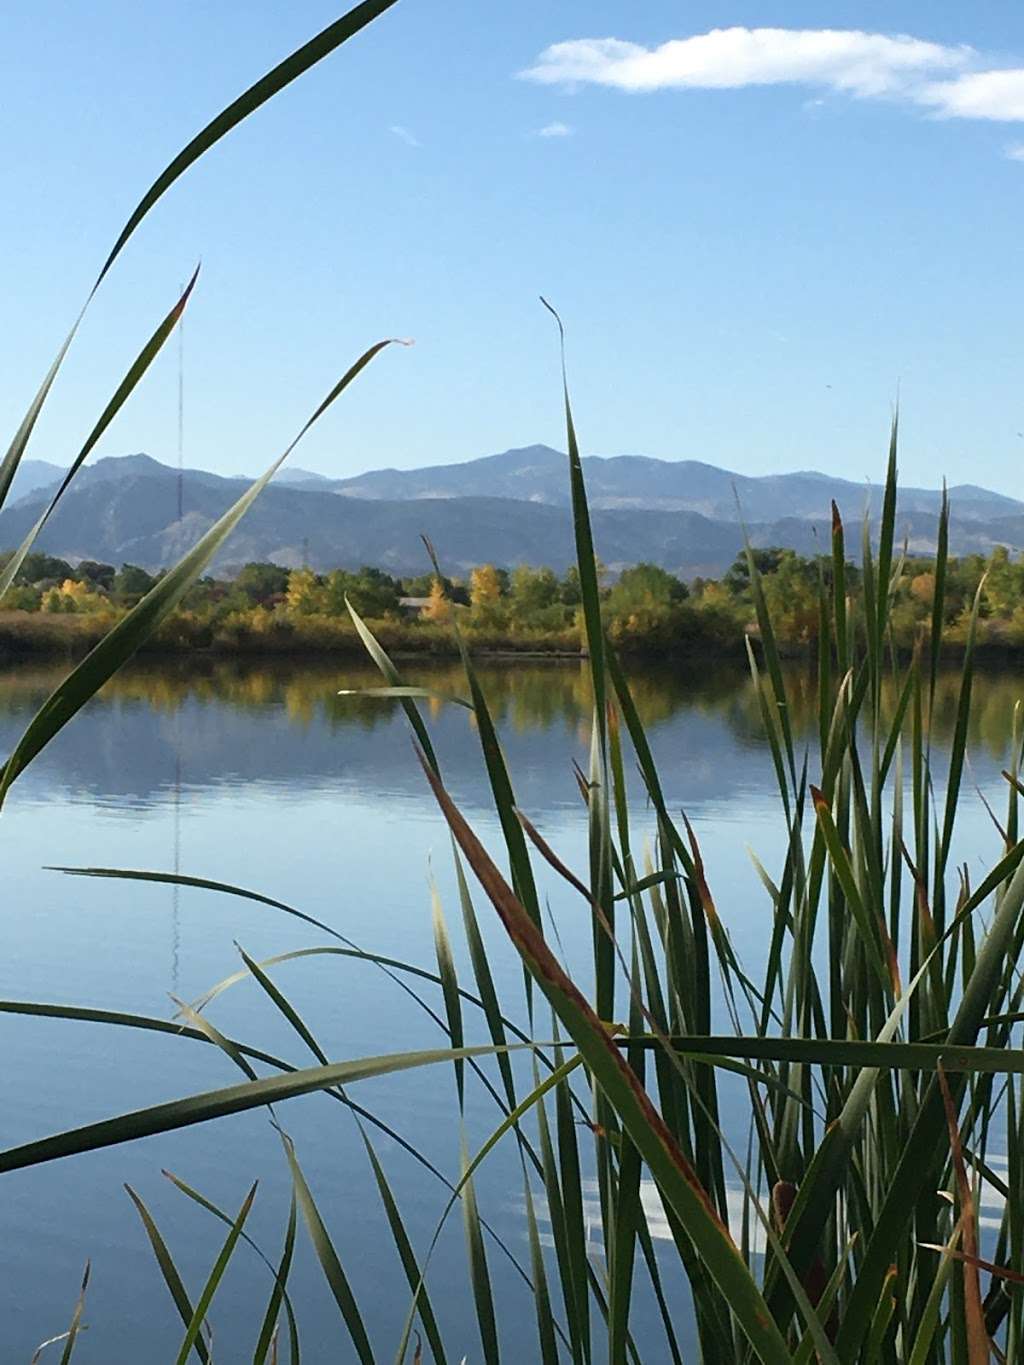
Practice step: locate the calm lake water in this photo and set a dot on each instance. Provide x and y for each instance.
(261, 776)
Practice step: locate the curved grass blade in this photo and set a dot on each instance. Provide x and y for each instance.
(407, 1256)
(216, 1275)
(16, 449)
(449, 987)
(124, 390)
(542, 1297)
(479, 1275)
(300, 61)
(149, 1024)
(586, 558)
(258, 94)
(328, 1257)
(279, 1293)
(393, 678)
(213, 1104)
(403, 692)
(76, 1320)
(140, 623)
(170, 1273)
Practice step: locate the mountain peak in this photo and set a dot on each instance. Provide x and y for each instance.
(508, 508)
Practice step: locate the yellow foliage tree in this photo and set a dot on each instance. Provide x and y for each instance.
(922, 587)
(484, 586)
(305, 593)
(438, 607)
(77, 597)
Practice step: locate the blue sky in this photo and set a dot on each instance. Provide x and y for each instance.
(746, 269)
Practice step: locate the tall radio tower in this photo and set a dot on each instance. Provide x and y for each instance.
(176, 815)
(181, 413)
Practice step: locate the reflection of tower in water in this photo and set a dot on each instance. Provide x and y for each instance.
(175, 889)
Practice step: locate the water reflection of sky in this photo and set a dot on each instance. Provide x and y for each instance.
(263, 777)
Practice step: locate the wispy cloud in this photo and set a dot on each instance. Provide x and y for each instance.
(948, 81)
(555, 129)
(1014, 152)
(410, 139)
(866, 64)
(997, 95)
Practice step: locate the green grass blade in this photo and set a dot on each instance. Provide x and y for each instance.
(124, 390)
(398, 693)
(449, 987)
(170, 1272)
(140, 623)
(212, 1104)
(407, 1256)
(15, 451)
(479, 1275)
(330, 1262)
(76, 1320)
(293, 66)
(586, 558)
(886, 535)
(278, 1294)
(393, 678)
(258, 94)
(285, 1006)
(496, 1023)
(541, 1296)
(280, 1275)
(216, 1275)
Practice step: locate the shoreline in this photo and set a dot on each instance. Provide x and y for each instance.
(28, 636)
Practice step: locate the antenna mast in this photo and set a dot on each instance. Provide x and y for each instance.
(181, 411)
(176, 809)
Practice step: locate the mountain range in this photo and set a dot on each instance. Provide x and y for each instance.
(505, 509)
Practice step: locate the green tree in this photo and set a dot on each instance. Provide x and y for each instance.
(42, 568)
(422, 585)
(261, 582)
(97, 574)
(645, 587)
(371, 591)
(21, 597)
(569, 593)
(737, 577)
(131, 582)
(531, 592)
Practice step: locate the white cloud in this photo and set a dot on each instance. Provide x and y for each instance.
(951, 82)
(863, 64)
(410, 139)
(1015, 152)
(555, 129)
(979, 94)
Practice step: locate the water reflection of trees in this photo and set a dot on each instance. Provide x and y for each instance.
(525, 695)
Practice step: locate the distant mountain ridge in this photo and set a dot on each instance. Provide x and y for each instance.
(507, 509)
(538, 474)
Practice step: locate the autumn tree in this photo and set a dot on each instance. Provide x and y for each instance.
(485, 586)
(438, 608)
(305, 595)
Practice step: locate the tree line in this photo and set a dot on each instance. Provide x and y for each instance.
(646, 607)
